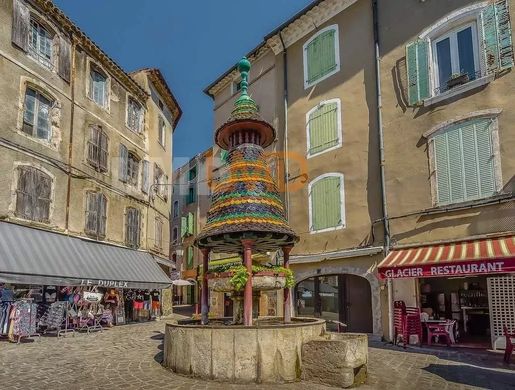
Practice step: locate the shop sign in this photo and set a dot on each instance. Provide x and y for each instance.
(104, 283)
(93, 297)
(456, 269)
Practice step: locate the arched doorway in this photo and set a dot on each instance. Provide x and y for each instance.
(343, 297)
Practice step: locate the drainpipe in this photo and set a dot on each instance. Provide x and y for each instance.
(70, 146)
(285, 96)
(382, 161)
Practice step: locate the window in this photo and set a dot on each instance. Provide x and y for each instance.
(98, 150)
(175, 235)
(192, 173)
(468, 47)
(158, 232)
(463, 162)
(40, 44)
(189, 258)
(132, 169)
(33, 194)
(162, 132)
(176, 209)
(96, 211)
(191, 195)
(321, 56)
(98, 90)
(36, 115)
(134, 115)
(323, 125)
(188, 225)
(132, 227)
(326, 203)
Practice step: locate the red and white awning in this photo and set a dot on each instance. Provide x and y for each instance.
(496, 255)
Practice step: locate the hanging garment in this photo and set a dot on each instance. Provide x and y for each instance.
(24, 318)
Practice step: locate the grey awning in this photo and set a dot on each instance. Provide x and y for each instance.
(33, 256)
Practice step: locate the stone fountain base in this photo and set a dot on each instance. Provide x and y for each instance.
(270, 351)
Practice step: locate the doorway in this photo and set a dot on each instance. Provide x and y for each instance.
(343, 297)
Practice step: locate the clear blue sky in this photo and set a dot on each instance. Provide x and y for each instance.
(191, 42)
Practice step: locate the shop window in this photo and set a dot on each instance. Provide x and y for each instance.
(460, 52)
(134, 115)
(158, 230)
(324, 129)
(33, 194)
(162, 132)
(132, 228)
(96, 214)
(98, 87)
(98, 148)
(36, 115)
(326, 203)
(463, 161)
(321, 56)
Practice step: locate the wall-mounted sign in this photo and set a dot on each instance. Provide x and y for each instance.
(104, 283)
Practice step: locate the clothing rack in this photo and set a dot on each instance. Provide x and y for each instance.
(30, 324)
(67, 329)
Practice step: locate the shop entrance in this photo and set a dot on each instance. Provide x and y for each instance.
(343, 297)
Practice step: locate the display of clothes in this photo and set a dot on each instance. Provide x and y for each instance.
(54, 316)
(23, 316)
(129, 301)
(5, 314)
(50, 294)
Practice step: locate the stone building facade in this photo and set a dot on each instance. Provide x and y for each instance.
(86, 147)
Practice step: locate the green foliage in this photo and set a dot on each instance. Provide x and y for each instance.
(239, 277)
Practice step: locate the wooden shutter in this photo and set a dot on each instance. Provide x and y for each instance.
(23, 192)
(485, 158)
(64, 59)
(496, 36)
(326, 203)
(418, 71)
(124, 157)
(320, 56)
(191, 223)
(91, 213)
(158, 233)
(93, 146)
(43, 189)
(443, 186)
(189, 260)
(21, 25)
(184, 226)
(103, 151)
(102, 214)
(323, 128)
(165, 188)
(145, 177)
(132, 228)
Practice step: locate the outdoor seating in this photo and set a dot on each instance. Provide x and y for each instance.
(438, 330)
(509, 344)
(406, 322)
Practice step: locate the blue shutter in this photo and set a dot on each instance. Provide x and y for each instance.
(418, 71)
(496, 36)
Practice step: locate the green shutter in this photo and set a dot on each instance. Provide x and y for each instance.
(189, 258)
(321, 56)
(184, 226)
(464, 162)
(323, 128)
(326, 203)
(418, 71)
(191, 224)
(496, 36)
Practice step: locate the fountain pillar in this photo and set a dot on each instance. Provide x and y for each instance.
(247, 294)
(205, 292)
(287, 295)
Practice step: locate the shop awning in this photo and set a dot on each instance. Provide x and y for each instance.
(182, 282)
(34, 256)
(485, 256)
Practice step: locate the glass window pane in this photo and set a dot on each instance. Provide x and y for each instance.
(30, 99)
(329, 297)
(466, 53)
(443, 51)
(305, 298)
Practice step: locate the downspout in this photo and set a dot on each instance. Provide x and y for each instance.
(70, 146)
(382, 160)
(285, 96)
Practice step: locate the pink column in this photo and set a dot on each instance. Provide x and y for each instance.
(287, 298)
(247, 294)
(205, 292)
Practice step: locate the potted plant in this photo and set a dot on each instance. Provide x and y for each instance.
(457, 79)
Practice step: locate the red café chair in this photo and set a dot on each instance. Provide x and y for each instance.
(406, 323)
(509, 344)
(438, 330)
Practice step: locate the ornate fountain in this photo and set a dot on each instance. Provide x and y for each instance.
(247, 216)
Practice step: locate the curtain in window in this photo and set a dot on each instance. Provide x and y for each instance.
(321, 56)
(33, 194)
(326, 203)
(323, 128)
(464, 162)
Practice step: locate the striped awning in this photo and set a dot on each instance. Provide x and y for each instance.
(495, 255)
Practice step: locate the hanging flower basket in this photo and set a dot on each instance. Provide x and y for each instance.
(235, 280)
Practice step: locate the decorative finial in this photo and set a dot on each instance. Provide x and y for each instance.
(244, 68)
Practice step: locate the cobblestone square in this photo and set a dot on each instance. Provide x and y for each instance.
(128, 357)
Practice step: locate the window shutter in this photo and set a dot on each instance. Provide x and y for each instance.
(23, 198)
(320, 56)
(496, 36)
(418, 71)
(165, 188)
(323, 128)
(191, 224)
(104, 151)
(485, 158)
(454, 146)
(102, 214)
(326, 203)
(190, 258)
(21, 24)
(43, 189)
(124, 156)
(470, 160)
(184, 226)
(64, 59)
(145, 179)
(91, 212)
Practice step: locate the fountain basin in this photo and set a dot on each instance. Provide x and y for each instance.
(262, 281)
(268, 351)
